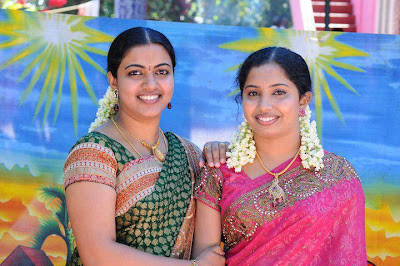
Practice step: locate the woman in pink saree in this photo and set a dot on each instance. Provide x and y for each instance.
(307, 210)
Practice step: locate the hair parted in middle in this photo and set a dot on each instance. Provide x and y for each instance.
(293, 65)
(135, 37)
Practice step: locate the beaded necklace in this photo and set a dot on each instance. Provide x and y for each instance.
(275, 190)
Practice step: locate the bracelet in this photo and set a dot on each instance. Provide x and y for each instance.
(194, 263)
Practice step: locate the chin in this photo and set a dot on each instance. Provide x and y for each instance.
(152, 114)
(270, 133)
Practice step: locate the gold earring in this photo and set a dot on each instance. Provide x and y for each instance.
(116, 106)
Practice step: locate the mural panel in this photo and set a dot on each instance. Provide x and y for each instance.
(53, 67)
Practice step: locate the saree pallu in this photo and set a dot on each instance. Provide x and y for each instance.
(154, 209)
(320, 222)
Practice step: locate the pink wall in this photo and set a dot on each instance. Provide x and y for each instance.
(365, 12)
(297, 18)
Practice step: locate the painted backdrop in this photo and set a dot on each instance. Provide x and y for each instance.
(52, 73)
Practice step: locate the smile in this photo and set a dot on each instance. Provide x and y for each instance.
(149, 97)
(266, 120)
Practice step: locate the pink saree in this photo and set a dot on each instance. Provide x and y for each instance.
(320, 222)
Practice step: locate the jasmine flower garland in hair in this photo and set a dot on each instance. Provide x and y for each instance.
(242, 148)
(106, 109)
(311, 152)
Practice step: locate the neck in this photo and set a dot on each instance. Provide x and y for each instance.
(145, 130)
(275, 150)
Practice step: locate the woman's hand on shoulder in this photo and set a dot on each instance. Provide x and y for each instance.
(211, 256)
(214, 154)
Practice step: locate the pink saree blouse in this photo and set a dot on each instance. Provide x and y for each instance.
(321, 221)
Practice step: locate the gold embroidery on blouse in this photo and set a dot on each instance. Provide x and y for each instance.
(250, 211)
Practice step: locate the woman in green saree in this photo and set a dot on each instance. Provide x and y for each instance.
(128, 185)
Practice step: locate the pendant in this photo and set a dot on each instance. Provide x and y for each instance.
(276, 191)
(158, 154)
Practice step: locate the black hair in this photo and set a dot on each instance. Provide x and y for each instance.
(293, 65)
(135, 37)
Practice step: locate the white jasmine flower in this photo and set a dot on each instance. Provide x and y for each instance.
(311, 152)
(242, 148)
(106, 109)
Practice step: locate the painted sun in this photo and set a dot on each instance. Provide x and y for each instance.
(53, 47)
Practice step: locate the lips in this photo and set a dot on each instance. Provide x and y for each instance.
(149, 98)
(266, 120)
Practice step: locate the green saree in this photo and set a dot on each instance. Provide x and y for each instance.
(154, 207)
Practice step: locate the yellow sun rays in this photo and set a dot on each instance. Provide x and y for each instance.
(320, 50)
(54, 47)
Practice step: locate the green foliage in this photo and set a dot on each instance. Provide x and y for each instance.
(29, 5)
(171, 10)
(58, 223)
(52, 192)
(47, 228)
(253, 13)
(106, 8)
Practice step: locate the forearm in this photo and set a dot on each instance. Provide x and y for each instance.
(113, 253)
(199, 246)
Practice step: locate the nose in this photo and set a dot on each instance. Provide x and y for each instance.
(265, 103)
(150, 82)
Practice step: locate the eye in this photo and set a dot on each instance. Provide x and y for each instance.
(134, 73)
(253, 93)
(162, 72)
(279, 92)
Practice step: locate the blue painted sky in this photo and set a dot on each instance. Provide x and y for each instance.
(201, 109)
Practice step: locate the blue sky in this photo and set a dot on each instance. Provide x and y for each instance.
(369, 138)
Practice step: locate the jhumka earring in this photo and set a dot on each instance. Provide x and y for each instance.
(169, 106)
(116, 107)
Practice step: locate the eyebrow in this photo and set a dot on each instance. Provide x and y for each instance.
(134, 65)
(140, 66)
(273, 85)
(279, 84)
(251, 86)
(162, 64)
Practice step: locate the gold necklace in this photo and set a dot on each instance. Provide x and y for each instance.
(120, 132)
(275, 190)
(154, 148)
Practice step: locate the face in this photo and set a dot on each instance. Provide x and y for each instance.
(145, 81)
(271, 102)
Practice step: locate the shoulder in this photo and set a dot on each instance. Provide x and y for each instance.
(91, 159)
(96, 138)
(187, 144)
(213, 174)
(193, 154)
(192, 151)
(338, 166)
(211, 179)
(91, 146)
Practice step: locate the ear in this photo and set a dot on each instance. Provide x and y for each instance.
(305, 99)
(112, 81)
